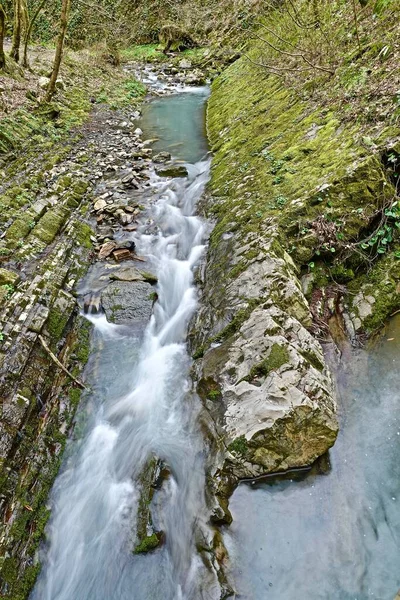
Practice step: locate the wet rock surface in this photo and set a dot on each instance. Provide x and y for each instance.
(128, 302)
(262, 377)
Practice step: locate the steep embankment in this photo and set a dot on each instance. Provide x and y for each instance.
(292, 188)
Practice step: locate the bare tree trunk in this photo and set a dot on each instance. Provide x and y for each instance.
(16, 31)
(29, 32)
(66, 5)
(2, 35)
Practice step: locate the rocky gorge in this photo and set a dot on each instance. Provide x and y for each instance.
(285, 180)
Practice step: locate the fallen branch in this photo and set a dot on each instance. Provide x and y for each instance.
(60, 365)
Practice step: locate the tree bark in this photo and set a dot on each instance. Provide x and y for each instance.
(2, 35)
(65, 8)
(29, 32)
(16, 42)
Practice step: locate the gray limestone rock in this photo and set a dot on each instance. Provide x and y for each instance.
(262, 379)
(128, 302)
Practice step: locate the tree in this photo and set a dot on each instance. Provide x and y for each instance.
(65, 8)
(2, 35)
(35, 15)
(16, 40)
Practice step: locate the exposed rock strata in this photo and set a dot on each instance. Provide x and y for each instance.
(45, 250)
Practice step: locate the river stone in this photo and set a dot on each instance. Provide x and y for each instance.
(106, 249)
(128, 302)
(162, 157)
(172, 171)
(100, 204)
(132, 274)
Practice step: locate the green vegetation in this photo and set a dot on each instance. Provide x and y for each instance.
(148, 544)
(239, 445)
(277, 357)
(299, 160)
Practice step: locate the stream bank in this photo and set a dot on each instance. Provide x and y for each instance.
(138, 514)
(291, 188)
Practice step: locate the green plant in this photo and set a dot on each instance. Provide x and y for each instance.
(8, 288)
(279, 201)
(135, 89)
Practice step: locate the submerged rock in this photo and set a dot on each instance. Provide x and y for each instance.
(172, 171)
(128, 302)
(162, 157)
(147, 537)
(132, 274)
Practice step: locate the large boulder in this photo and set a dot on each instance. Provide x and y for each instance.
(267, 393)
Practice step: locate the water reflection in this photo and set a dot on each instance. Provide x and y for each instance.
(178, 125)
(308, 537)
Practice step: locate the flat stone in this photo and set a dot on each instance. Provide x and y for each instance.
(122, 254)
(172, 171)
(106, 249)
(127, 274)
(38, 319)
(100, 204)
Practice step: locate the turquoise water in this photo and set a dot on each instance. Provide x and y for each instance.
(332, 533)
(177, 123)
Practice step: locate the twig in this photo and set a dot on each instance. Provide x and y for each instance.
(356, 23)
(294, 55)
(60, 365)
(272, 67)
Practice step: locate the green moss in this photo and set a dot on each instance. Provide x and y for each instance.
(56, 324)
(277, 357)
(199, 352)
(19, 230)
(239, 445)
(8, 277)
(148, 544)
(50, 224)
(241, 316)
(75, 396)
(82, 347)
(82, 234)
(312, 359)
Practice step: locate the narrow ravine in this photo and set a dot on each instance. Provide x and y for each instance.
(140, 405)
(332, 532)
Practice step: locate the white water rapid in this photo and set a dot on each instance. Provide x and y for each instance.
(140, 405)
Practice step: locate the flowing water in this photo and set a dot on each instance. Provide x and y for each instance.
(140, 405)
(332, 533)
